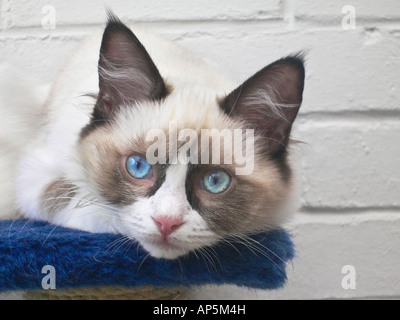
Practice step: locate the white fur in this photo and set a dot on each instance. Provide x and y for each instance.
(169, 201)
(21, 109)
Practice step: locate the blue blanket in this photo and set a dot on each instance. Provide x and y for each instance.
(82, 259)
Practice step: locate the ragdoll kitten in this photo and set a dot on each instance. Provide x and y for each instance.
(87, 164)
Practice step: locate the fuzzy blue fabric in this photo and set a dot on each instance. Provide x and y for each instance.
(84, 259)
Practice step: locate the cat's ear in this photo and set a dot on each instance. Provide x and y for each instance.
(127, 74)
(269, 101)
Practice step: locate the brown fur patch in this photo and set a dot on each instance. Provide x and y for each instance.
(103, 157)
(250, 204)
(57, 196)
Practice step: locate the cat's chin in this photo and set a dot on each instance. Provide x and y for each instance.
(165, 250)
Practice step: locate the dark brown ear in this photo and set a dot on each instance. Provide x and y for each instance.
(269, 101)
(126, 72)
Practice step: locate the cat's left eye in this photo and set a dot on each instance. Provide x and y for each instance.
(216, 182)
(138, 167)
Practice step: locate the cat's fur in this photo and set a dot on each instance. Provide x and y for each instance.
(71, 172)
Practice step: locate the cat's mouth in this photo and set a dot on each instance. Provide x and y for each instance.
(165, 248)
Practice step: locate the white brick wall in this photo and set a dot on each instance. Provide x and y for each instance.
(350, 119)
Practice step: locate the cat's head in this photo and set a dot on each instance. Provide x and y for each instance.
(175, 206)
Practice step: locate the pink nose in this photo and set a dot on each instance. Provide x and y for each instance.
(167, 225)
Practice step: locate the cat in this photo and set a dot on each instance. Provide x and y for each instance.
(85, 163)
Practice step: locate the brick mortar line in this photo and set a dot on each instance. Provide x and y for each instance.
(311, 210)
(298, 24)
(344, 116)
(272, 19)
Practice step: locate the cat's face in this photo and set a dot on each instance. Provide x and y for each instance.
(189, 199)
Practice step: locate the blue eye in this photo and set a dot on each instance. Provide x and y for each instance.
(216, 182)
(138, 167)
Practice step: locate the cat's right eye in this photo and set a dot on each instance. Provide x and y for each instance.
(138, 167)
(216, 182)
